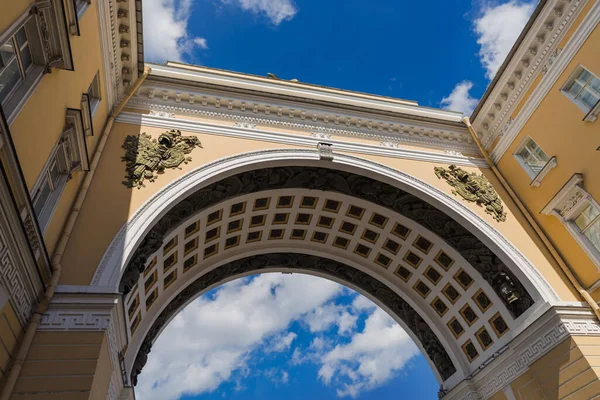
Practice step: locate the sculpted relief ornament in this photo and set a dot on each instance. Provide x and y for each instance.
(146, 157)
(473, 188)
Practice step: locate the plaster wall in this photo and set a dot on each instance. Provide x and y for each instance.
(11, 10)
(569, 371)
(108, 193)
(557, 126)
(39, 124)
(63, 365)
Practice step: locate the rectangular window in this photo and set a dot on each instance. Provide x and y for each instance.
(81, 6)
(50, 186)
(16, 61)
(583, 88)
(531, 157)
(588, 221)
(580, 214)
(69, 155)
(75, 10)
(94, 94)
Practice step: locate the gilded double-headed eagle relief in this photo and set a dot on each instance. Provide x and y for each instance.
(147, 157)
(474, 188)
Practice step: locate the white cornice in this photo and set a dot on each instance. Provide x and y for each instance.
(119, 43)
(559, 65)
(299, 90)
(535, 53)
(164, 120)
(223, 104)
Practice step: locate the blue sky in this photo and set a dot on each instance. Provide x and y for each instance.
(276, 336)
(281, 336)
(439, 53)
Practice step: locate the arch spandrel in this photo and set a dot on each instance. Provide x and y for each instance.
(123, 245)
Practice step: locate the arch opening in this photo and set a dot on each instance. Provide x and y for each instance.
(294, 323)
(416, 326)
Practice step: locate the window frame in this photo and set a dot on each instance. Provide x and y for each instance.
(536, 176)
(75, 11)
(30, 77)
(567, 205)
(591, 113)
(95, 94)
(69, 155)
(56, 187)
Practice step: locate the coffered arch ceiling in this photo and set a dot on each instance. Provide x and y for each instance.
(457, 298)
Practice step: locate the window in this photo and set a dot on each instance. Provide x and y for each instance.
(50, 186)
(94, 94)
(90, 101)
(580, 214)
(16, 61)
(34, 43)
(583, 88)
(588, 221)
(75, 10)
(81, 6)
(536, 163)
(68, 156)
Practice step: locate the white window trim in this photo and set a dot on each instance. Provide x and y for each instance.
(590, 114)
(566, 205)
(17, 98)
(551, 164)
(536, 177)
(74, 15)
(74, 126)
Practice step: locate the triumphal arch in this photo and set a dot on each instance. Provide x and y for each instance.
(166, 181)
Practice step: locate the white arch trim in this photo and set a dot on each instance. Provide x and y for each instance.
(122, 247)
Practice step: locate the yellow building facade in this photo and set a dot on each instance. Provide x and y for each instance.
(129, 189)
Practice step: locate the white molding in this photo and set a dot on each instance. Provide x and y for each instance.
(535, 54)
(561, 198)
(91, 313)
(301, 90)
(168, 97)
(560, 64)
(124, 243)
(19, 275)
(105, 9)
(592, 115)
(245, 131)
(537, 180)
(538, 339)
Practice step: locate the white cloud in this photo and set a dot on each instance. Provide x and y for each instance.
(212, 338)
(497, 29)
(281, 342)
(166, 35)
(276, 10)
(460, 99)
(371, 358)
(322, 318)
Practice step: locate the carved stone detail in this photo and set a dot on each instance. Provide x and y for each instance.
(490, 266)
(473, 188)
(431, 344)
(145, 157)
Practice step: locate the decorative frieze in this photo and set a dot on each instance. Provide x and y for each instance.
(397, 131)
